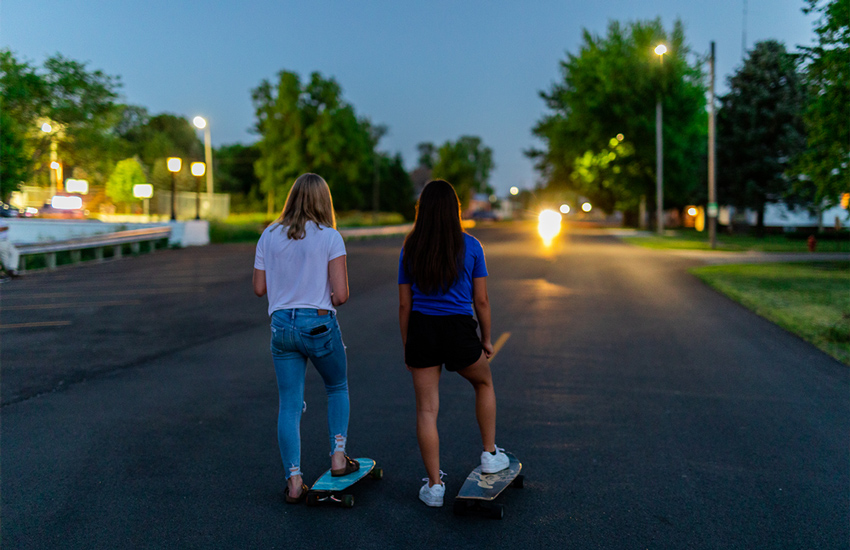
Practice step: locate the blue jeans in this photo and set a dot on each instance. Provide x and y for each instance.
(292, 344)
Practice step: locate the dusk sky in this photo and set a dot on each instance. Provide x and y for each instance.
(430, 71)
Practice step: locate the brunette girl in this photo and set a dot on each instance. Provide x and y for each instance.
(442, 276)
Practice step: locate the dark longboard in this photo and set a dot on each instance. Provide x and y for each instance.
(329, 489)
(480, 490)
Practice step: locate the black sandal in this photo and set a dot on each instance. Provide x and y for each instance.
(351, 466)
(299, 498)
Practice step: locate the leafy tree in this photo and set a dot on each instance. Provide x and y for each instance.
(22, 99)
(465, 163)
(234, 172)
(396, 187)
(160, 136)
(83, 104)
(824, 163)
(760, 129)
(610, 87)
(308, 127)
(127, 173)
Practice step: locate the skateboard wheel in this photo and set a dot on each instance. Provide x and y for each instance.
(377, 473)
(347, 501)
(518, 482)
(312, 499)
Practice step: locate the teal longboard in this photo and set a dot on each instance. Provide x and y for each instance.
(329, 489)
(480, 489)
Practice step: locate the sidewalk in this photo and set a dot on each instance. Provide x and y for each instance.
(714, 257)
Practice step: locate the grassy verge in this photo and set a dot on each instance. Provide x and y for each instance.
(685, 239)
(811, 300)
(241, 228)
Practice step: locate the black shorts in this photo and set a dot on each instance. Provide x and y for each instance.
(442, 339)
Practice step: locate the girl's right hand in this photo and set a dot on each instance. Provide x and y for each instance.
(488, 349)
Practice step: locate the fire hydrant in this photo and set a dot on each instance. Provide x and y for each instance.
(812, 243)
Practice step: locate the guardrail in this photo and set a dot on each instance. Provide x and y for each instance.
(116, 241)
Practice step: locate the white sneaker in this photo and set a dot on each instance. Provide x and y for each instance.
(432, 495)
(492, 463)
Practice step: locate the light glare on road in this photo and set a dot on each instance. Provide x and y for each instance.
(548, 225)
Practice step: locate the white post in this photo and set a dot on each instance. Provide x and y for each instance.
(208, 159)
(659, 168)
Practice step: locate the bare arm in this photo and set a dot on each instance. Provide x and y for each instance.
(405, 304)
(481, 302)
(338, 276)
(259, 282)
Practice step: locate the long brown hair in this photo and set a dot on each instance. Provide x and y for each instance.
(308, 200)
(434, 249)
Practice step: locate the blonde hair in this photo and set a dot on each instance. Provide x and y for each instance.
(308, 200)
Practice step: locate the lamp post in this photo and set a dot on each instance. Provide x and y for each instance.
(174, 165)
(661, 49)
(55, 165)
(712, 186)
(202, 124)
(198, 169)
(144, 191)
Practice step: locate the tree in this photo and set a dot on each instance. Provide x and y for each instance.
(610, 88)
(760, 129)
(22, 99)
(309, 128)
(465, 163)
(83, 104)
(234, 171)
(127, 173)
(824, 163)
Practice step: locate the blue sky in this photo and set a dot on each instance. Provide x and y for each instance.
(430, 71)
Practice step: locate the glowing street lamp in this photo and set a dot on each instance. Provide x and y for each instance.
(514, 190)
(548, 226)
(586, 207)
(565, 209)
(202, 124)
(144, 191)
(198, 169)
(174, 165)
(661, 49)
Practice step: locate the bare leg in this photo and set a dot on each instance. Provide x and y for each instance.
(294, 485)
(426, 384)
(481, 379)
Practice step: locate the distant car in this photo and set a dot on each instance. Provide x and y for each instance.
(8, 211)
(485, 215)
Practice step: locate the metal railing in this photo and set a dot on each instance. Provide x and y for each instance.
(116, 241)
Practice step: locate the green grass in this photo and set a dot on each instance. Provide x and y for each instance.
(688, 239)
(241, 228)
(809, 299)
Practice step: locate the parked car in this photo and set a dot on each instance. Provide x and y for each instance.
(8, 211)
(485, 215)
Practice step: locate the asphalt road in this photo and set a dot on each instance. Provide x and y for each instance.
(139, 409)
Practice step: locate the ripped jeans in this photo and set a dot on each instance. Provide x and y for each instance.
(291, 345)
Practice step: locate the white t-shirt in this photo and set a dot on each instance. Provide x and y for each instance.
(297, 270)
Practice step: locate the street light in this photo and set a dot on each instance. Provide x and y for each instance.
(202, 124)
(198, 169)
(144, 191)
(514, 190)
(55, 165)
(661, 49)
(174, 165)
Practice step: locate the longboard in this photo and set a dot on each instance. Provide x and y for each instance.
(328, 489)
(480, 489)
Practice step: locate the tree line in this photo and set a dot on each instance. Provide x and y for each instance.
(302, 126)
(783, 127)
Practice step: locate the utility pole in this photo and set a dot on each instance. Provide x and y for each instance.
(712, 169)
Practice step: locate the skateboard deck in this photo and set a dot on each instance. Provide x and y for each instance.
(328, 489)
(480, 489)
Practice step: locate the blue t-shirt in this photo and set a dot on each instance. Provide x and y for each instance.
(458, 299)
